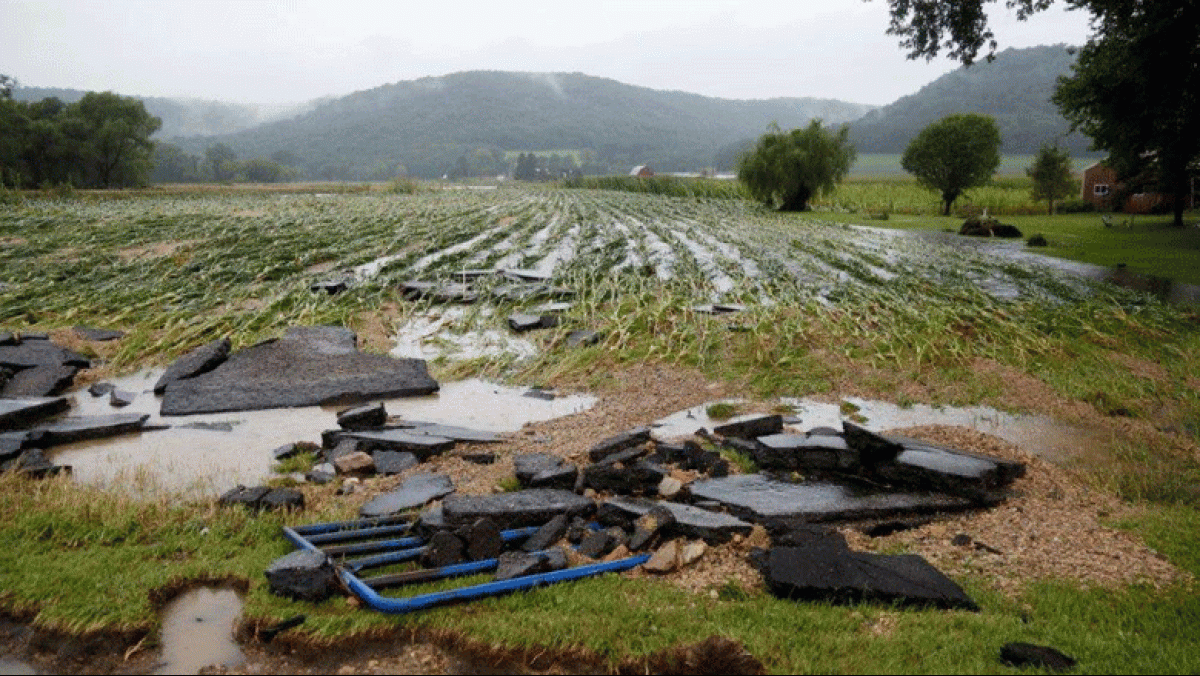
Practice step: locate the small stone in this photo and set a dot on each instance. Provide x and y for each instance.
(444, 549)
(692, 552)
(100, 389)
(665, 560)
(355, 463)
(596, 544)
(547, 535)
(669, 487)
(120, 398)
(617, 554)
(282, 498)
(363, 417)
(1030, 655)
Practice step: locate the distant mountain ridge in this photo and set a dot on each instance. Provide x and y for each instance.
(1015, 89)
(426, 124)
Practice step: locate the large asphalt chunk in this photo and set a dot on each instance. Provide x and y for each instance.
(804, 452)
(303, 575)
(308, 366)
(618, 443)
(690, 521)
(839, 576)
(70, 430)
(40, 381)
(18, 413)
(762, 499)
(200, 360)
(751, 427)
(531, 507)
(32, 353)
(420, 445)
(415, 492)
(928, 466)
(872, 448)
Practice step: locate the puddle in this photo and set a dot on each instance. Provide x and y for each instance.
(1039, 435)
(197, 631)
(208, 454)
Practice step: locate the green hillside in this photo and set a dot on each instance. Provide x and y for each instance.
(1015, 89)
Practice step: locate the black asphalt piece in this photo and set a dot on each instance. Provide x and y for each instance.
(33, 462)
(249, 497)
(637, 478)
(596, 544)
(98, 335)
(762, 499)
(519, 564)
(454, 432)
(100, 389)
(480, 458)
(838, 576)
(618, 443)
(120, 398)
(7, 337)
(287, 451)
(807, 535)
(649, 525)
(584, 338)
(388, 463)
(1037, 656)
(805, 453)
(554, 530)
(70, 430)
(30, 353)
(415, 491)
(303, 575)
(421, 445)
(521, 322)
(329, 286)
(40, 381)
(199, 361)
(530, 507)
(690, 521)
(751, 428)
(19, 413)
(282, 498)
(438, 293)
(306, 367)
(542, 470)
(928, 466)
(321, 474)
(482, 538)
(363, 417)
(872, 448)
(443, 549)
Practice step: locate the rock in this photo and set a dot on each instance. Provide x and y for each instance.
(583, 338)
(638, 478)
(761, 499)
(321, 474)
(1036, 656)
(120, 398)
(521, 322)
(482, 538)
(307, 366)
(479, 458)
(414, 492)
(752, 427)
(282, 498)
(618, 443)
(596, 544)
(626, 456)
(692, 552)
(100, 389)
(664, 560)
(356, 463)
(806, 535)
(519, 564)
(69, 430)
(669, 487)
(39, 381)
(33, 462)
(18, 413)
(303, 575)
(98, 335)
(200, 360)
(553, 531)
(343, 447)
(287, 451)
(649, 525)
(618, 553)
(872, 448)
(530, 507)
(988, 227)
(690, 521)
(453, 432)
(443, 549)
(363, 417)
(528, 466)
(439, 293)
(388, 463)
(838, 576)
(30, 353)
(246, 497)
(329, 286)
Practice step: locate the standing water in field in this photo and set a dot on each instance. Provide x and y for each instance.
(197, 631)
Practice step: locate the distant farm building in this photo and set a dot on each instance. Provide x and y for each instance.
(641, 170)
(1101, 186)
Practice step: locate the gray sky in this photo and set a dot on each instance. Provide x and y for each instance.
(276, 52)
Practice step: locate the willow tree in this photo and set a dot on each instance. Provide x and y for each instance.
(789, 168)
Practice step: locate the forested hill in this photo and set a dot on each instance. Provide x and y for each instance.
(1015, 89)
(425, 126)
(180, 116)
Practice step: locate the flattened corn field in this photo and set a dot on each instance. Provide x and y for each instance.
(176, 270)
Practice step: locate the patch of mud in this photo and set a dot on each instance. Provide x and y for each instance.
(198, 631)
(155, 250)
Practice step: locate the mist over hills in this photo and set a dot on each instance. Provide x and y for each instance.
(1015, 89)
(482, 119)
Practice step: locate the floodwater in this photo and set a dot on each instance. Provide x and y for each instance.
(197, 631)
(209, 454)
(1035, 434)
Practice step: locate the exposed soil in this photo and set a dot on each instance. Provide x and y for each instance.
(1052, 528)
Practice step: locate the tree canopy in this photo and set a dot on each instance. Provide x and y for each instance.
(1051, 175)
(954, 154)
(1133, 87)
(100, 141)
(788, 168)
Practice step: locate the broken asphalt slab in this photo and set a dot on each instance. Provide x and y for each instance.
(531, 507)
(70, 430)
(196, 362)
(308, 366)
(690, 521)
(19, 413)
(416, 491)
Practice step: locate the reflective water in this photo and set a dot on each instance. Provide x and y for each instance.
(1036, 434)
(208, 454)
(197, 631)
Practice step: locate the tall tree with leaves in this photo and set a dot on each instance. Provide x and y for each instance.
(788, 168)
(1133, 89)
(118, 148)
(1051, 175)
(954, 154)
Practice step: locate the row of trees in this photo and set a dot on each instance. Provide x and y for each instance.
(100, 141)
(220, 163)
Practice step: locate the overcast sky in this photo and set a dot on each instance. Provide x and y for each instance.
(275, 52)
